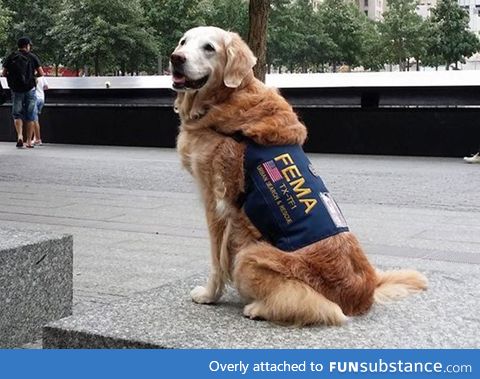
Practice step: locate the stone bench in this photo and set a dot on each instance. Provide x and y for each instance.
(36, 271)
(445, 316)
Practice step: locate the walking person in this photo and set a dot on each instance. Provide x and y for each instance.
(42, 86)
(20, 68)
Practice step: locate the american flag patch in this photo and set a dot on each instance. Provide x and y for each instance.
(272, 171)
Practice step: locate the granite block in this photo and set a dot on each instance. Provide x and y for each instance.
(444, 316)
(35, 283)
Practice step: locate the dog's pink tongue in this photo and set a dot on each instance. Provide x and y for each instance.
(178, 79)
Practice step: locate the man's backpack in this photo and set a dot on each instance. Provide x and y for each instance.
(20, 73)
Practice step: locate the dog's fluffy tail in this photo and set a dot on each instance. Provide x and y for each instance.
(393, 285)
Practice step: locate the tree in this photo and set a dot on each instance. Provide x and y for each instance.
(342, 21)
(227, 14)
(106, 34)
(170, 19)
(34, 19)
(432, 56)
(5, 20)
(373, 49)
(418, 45)
(258, 12)
(456, 42)
(280, 39)
(401, 31)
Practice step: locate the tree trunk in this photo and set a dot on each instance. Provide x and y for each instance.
(96, 65)
(258, 11)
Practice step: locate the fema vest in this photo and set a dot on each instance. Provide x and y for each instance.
(285, 198)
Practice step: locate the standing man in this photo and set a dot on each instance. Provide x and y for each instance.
(19, 68)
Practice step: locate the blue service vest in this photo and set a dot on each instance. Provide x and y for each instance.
(285, 198)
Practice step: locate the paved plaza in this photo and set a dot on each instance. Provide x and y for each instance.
(138, 225)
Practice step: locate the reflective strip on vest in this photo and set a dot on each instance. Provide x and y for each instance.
(285, 198)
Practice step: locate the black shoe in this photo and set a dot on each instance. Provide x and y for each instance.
(20, 143)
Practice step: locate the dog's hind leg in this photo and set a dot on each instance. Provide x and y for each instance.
(261, 277)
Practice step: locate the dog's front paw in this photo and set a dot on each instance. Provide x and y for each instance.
(201, 295)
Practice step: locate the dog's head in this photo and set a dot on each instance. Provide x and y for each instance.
(209, 57)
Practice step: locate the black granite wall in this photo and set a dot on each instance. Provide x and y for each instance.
(391, 121)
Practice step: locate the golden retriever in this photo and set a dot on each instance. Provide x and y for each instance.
(224, 110)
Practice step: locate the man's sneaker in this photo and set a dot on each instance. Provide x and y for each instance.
(20, 143)
(474, 159)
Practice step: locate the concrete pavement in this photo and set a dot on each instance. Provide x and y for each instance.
(138, 224)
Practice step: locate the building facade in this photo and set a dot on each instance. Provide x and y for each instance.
(373, 8)
(473, 8)
(424, 7)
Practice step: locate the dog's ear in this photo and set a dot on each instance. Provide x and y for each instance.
(240, 61)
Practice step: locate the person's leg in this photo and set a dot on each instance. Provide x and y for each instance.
(34, 122)
(35, 128)
(17, 105)
(38, 138)
(29, 104)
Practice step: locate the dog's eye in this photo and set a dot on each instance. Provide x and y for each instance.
(182, 42)
(208, 47)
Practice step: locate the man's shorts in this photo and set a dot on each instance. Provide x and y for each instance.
(23, 105)
(38, 107)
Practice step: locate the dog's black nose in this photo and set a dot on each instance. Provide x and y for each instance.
(177, 58)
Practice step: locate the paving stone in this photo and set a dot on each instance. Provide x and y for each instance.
(445, 316)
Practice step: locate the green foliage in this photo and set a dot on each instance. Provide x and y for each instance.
(227, 14)
(32, 18)
(113, 36)
(171, 18)
(343, 23)
(403, 32)
(455, 41)
(95, 33)
(296, 36)
(5, 21)
(373, 49)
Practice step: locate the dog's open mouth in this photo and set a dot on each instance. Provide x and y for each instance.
(180, 81)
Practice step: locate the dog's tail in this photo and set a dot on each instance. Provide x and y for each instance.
(393, 285)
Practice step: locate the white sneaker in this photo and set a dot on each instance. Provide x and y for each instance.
(474, 159)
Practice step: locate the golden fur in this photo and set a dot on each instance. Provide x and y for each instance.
(320, 283)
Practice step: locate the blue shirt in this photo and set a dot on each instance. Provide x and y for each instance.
(285, 198)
